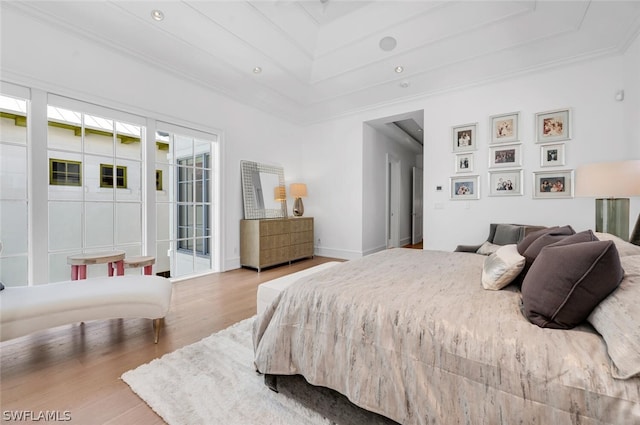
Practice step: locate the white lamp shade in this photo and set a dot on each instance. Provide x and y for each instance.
(619, 179)
(298, 190)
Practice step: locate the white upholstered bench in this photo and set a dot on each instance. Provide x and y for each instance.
(27, 309)
(269, 290)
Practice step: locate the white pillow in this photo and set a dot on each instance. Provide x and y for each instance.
(502, 267)
(487, 248)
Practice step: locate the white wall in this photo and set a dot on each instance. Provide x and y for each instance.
(328, 156)
(39, 56)
(631, 86)
(603, 129)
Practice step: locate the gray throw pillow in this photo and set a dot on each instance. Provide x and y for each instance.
(507, 234)
(568, 280)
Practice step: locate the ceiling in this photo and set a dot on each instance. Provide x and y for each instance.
(322, 59)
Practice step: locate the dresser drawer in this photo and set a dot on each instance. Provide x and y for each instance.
(273, 227)
(302, 250)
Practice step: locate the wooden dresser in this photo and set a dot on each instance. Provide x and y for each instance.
(274, 241)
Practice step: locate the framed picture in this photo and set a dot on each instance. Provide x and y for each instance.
(505, 128)
(464, 163)
(553, 184)
(505, 183)
(466, 187)
(553, 126)
(552, 155)
(505, 156)
(464, 138)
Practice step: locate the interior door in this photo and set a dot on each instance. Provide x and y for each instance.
(393, 201)
(417, 206)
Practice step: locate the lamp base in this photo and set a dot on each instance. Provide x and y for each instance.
(635, 235)
(612, 216)
(298, 207)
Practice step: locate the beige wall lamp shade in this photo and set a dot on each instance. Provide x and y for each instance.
(298, 191)
(611, 183)
(280, 193)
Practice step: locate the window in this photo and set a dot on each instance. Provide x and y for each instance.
(158, 179)
(65, 173)
(107, 177)
(193, 207)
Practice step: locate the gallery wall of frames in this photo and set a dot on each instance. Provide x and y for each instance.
(504, 156)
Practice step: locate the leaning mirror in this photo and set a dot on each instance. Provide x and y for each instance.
(263, 190)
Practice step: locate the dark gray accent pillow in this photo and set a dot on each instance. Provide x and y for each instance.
(1, 286)
(550, 235)
(507, 234)
(527, 240)
(565, 233)
(568, 280)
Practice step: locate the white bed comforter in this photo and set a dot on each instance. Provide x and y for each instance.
(412, 335)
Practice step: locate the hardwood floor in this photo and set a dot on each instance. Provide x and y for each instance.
(77, 368)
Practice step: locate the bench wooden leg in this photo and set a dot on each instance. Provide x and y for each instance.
(157, 324)
(147, 270)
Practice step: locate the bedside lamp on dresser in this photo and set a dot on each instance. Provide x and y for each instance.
(298, 191)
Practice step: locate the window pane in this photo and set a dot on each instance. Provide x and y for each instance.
(13, 120)
(13, 172)
(99, 224)
(128, 144)
(65, 226)
(64, 129)
(14, 271)
(129, 222)
(14, 226)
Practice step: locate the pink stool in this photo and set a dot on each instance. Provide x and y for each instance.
(79, 263)
(144, 261)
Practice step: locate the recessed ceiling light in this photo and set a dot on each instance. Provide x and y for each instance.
(399, 69)
(257, 70)
(388, 43)
(404, 84)
(157, 15)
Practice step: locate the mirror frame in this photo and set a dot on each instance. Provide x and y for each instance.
(253, 193)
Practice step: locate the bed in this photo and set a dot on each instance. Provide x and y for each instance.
(413, 335)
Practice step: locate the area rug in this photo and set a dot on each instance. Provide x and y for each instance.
(213, 382)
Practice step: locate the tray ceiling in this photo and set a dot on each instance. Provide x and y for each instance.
(322, 59)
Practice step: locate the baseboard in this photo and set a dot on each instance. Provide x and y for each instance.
(337, 253)
(231, 264)
(374, 250)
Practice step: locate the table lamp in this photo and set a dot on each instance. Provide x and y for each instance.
(298, 191)
(280, 195)
(611, 183)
